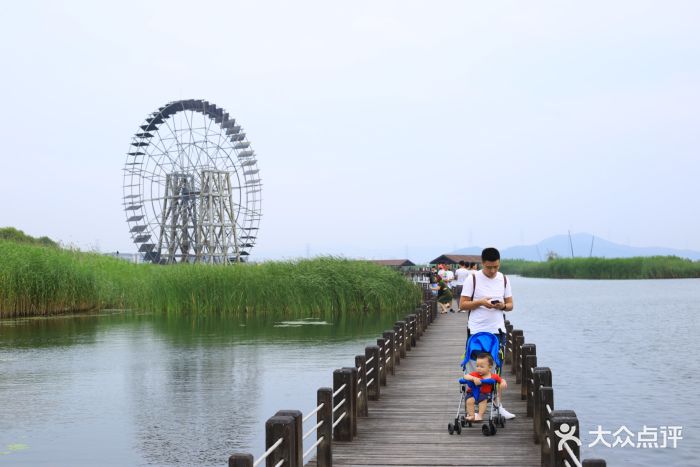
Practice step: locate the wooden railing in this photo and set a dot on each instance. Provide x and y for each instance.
(339, 408)
(553, 429)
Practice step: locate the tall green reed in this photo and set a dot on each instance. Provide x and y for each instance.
(41, 280)
(647, 267)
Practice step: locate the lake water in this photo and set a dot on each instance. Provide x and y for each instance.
(121, 388)
(623, 354)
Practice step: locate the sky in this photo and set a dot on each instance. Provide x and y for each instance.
(381, 128)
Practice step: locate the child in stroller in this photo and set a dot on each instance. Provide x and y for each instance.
(477, 387)
(483, 386)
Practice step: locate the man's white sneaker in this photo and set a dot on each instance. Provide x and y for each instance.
(505, 414)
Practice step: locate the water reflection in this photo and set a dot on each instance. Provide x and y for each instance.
(191, 405)
(127, 388)
(224, 329)
(46, 332)
(199, 397)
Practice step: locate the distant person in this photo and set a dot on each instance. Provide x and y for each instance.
(444, 297)
(461, 274)
(433, 282)
(449, 278)
(431, 274)
(487, 297)
(474, 267)
(441, 270)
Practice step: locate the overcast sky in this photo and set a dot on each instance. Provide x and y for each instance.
(380, 127)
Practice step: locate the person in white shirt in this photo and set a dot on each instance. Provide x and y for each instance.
(461, 274)
(449, 278)
(487, 296)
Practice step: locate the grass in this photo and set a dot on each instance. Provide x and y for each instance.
(12, 234)
(647, 267)
(41, 280)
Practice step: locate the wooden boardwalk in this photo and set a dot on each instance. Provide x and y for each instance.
(408, 425)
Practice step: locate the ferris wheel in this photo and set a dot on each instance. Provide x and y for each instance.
(192, 186)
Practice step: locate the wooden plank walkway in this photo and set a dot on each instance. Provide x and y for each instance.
(408, 425)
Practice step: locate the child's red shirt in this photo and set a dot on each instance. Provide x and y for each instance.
(486, 388)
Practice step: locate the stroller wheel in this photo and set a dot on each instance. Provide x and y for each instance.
(502, 422)
(492, 428)
(462, 421)
(485, 430)
(458, 429)
(450, 428)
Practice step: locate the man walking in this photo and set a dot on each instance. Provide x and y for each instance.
(487, 296)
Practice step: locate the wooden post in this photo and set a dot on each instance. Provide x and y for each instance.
(518, 345)
(542, 377)
(546, 398)
(513, 356)
(525, 350)
(419, 324)
(397, 343)
(530, 364)
(434, 308)
(324, 451)
(564, 427)
(241, 460)
(411, 319)
(509, 338)
(276, 427)
(298, 434)
(344, 429)
(409, 332)
(362, 408)
(407, 336)
(391, 347)
(403, 329)
(372, 359)
(353, 398)
(383, 345)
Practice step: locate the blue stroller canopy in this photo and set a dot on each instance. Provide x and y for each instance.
(482, 342)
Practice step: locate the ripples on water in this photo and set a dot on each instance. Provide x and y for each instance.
(622, 354)
(135, 389)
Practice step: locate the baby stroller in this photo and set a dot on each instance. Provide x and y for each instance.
(476, 344)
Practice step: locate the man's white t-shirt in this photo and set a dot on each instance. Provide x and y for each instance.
(461, 274)
(483, 319)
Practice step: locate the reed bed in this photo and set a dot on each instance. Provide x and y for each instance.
(647, 267)
(37, 280)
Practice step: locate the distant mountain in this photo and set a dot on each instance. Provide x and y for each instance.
(581, 242)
